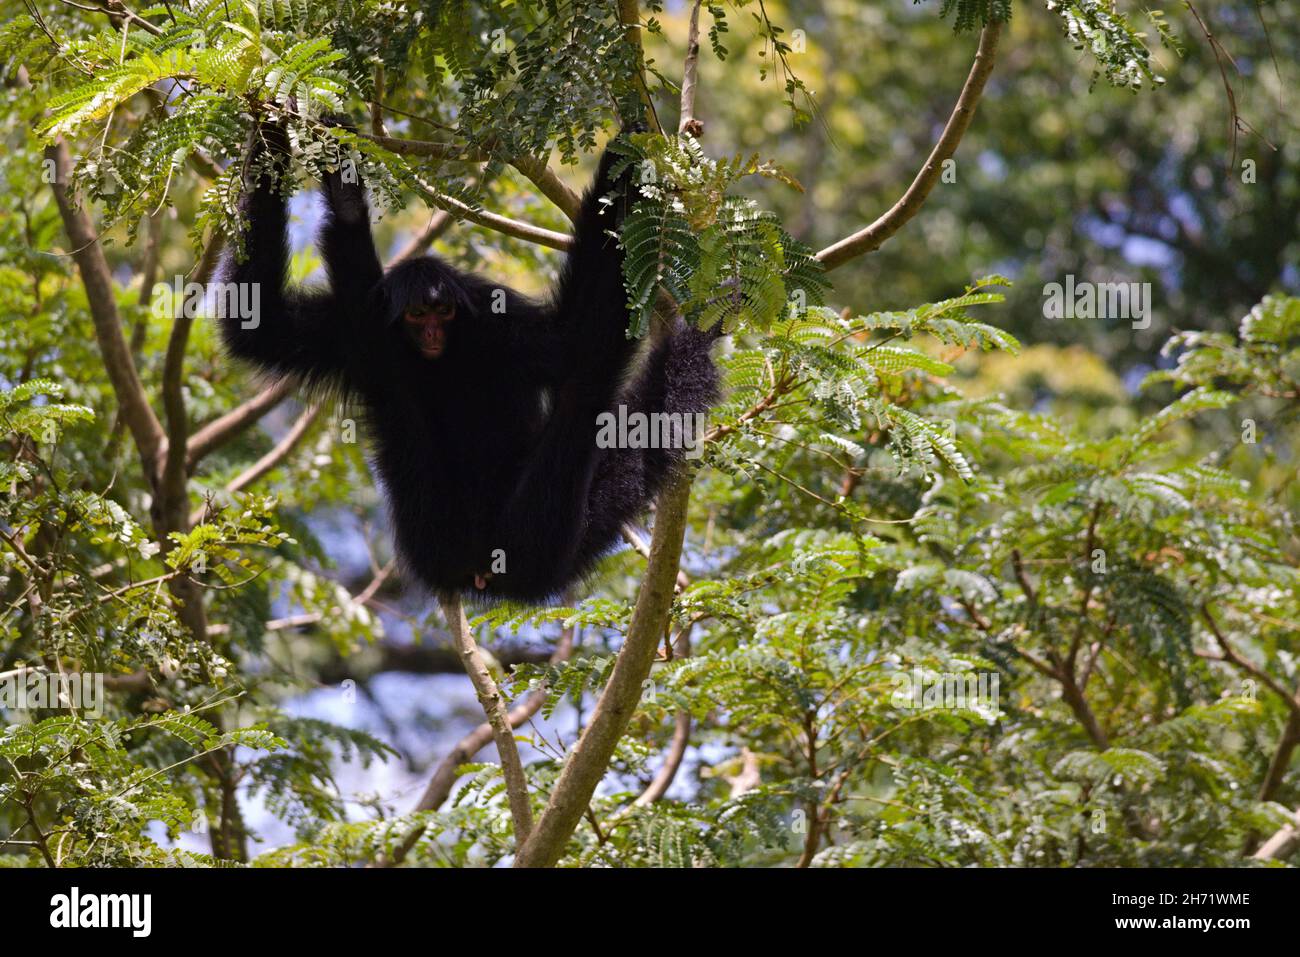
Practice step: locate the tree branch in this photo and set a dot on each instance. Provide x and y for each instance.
(489, 696)
(427, 148)
(225, 428)
(550, 185)
(146, 430)
(173, 479)
(1290, 739)
(502, 224)
(268, 461)
(376, 105)
(1282, 844)
(667, 772)
(362, 597)
(542, 176)
(590, 757)
(681, 739)
(629, 14)
(439, 223)
(1280, 762)
(172, 491)
(149, 266)
(1231, 657)
(447, 772)
(642, 548)
(872, 237)
(687, 122)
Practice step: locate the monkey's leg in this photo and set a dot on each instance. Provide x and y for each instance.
(535, 540)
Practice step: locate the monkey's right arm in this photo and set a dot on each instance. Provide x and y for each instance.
(346, 242)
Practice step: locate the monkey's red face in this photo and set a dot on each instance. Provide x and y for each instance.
(427, 327)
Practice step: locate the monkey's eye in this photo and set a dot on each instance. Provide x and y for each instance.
(419, 314)
(444, 310)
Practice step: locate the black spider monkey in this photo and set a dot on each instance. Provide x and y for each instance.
(483, 403)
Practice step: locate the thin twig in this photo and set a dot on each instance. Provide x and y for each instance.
(221, 430)
(688, 123)
(268, 461)
(447, 772)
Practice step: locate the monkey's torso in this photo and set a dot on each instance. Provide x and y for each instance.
(449, 455)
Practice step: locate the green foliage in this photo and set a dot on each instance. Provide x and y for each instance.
(529, 75)
(40, 423)
(1264, 358)
(720, 258)
(941, 609)
(110, 780)
(1118, 49)
(975, 13)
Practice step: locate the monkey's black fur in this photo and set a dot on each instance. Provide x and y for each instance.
(493, 444)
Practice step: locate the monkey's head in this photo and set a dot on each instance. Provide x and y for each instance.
(426, 326)
(422, 298)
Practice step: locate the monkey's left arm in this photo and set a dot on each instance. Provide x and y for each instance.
(590, 303)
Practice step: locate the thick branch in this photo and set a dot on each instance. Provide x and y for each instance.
(549, 184)
(149, 266)
(629, 14)
(376, 105)
(172, 484)
(1280, 763)
(673, 757)
(591, 755)
(1078, 702)
(146, 430)
(870, 238)
(489, 696)
(172, 492)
